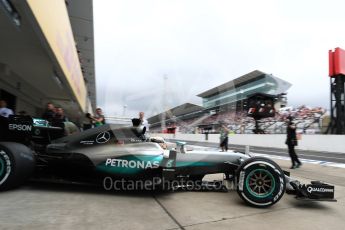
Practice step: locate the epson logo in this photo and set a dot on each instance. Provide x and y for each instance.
(19, 127)
(311, 189)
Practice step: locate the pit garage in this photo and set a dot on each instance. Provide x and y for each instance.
(47, 55)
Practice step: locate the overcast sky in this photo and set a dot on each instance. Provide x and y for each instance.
(199, 44)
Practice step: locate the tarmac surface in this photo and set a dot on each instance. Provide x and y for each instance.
(59, 206)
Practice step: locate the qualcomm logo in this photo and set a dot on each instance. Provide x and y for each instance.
(103, 137)
(311, 189)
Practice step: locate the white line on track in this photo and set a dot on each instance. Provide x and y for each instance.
(324, 163)
(301, 154)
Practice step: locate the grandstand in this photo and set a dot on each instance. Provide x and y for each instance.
(232, 95)
(227, 104)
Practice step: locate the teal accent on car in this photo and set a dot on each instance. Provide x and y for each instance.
(263, 172)
(134, 167)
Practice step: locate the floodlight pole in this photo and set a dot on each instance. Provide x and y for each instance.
(163, 125)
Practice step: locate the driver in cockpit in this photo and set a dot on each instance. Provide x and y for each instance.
(140, 132)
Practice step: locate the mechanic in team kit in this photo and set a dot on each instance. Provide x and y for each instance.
(49, 113)
(59, 120)
(59, 116)
(291, 142)
(4, 111)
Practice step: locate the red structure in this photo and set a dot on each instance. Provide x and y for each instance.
(336, 62)
(337, 82)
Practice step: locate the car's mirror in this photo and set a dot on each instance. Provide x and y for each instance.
(181, 146)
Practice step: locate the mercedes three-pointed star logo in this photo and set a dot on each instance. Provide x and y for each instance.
(103, 137)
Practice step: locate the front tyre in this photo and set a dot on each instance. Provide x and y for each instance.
(16, 164)
(261, 182)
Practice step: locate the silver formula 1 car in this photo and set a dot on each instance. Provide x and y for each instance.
(31, 149)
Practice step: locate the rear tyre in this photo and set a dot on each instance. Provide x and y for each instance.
(261, 182)
(16, 164)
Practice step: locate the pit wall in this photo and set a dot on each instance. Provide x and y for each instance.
(327, 143)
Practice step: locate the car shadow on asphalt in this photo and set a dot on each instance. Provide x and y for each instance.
(84, 189)
(93, 189)
(98, 189)
(310, 205)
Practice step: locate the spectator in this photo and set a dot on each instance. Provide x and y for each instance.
(144, 122)
(99, 117)
(4, 111)
(49, 113)
(291, 142)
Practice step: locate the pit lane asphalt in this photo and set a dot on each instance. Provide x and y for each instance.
(312, 155)
(59, 206)
(42, 206)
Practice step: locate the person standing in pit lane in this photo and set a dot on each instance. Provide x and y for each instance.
(224, 138)
(291, 142)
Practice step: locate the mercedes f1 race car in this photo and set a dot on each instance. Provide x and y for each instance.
(32, 149)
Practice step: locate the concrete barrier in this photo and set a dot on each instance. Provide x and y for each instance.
(328, 143)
